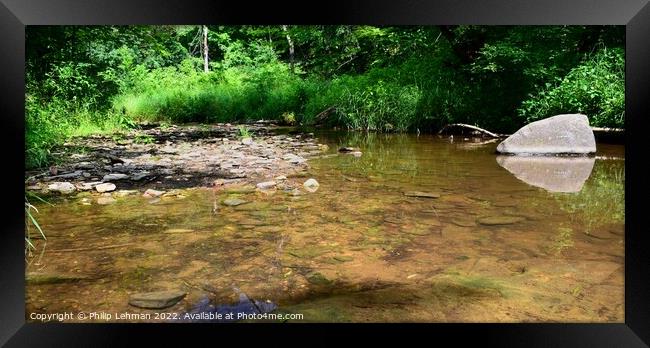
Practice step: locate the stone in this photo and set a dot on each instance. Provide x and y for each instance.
(106, 200)
(311, 185)
(499, 220)
(106, 187)
(233, 202)
(561, 134)
(281, 178)
(266, 185)
(114, 177)
(421, 194)
(554, 174)
(61, 187)
(247, 141)
(157, 299)
(151, 193)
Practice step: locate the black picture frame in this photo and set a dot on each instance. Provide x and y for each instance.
(634, 14)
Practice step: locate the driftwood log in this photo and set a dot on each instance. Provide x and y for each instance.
(609, 135)
(324, 115)
(467, 128)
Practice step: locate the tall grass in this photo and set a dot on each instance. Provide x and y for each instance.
(51, 124)
(30, 221)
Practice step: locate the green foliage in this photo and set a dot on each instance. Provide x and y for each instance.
(143, 139)
(244, 132)
(596, 88)
(289, 118)
(83, 80)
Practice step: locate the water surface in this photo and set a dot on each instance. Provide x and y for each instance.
(496, 246)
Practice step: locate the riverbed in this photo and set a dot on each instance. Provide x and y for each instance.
(414, 228)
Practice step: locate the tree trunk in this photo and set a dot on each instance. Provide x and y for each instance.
(205, 48)
(291, 48)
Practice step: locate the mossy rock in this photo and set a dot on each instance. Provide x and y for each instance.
(317, 278)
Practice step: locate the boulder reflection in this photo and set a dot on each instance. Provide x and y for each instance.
(555, 174)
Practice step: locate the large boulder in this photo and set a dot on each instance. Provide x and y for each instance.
(561, 134)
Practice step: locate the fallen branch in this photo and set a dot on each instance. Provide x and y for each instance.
(472, 128)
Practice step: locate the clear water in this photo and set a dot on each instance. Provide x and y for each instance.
(491, 248)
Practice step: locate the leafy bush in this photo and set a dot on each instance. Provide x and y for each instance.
(595, 88)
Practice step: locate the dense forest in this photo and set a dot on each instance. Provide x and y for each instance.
(100, 79)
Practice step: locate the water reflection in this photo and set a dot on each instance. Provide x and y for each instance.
(204, 311)
(555, 174)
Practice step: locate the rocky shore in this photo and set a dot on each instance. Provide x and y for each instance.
(158, 158)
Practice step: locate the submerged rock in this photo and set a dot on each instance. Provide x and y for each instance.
(499, 220)
(266, 185)
(151, 193)
(311, 185)
(106, 200)
(233, 202)
(317, 278)
(561, 134)
(157, 299)
(61, 187)
(106, 187)
(421, 194)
